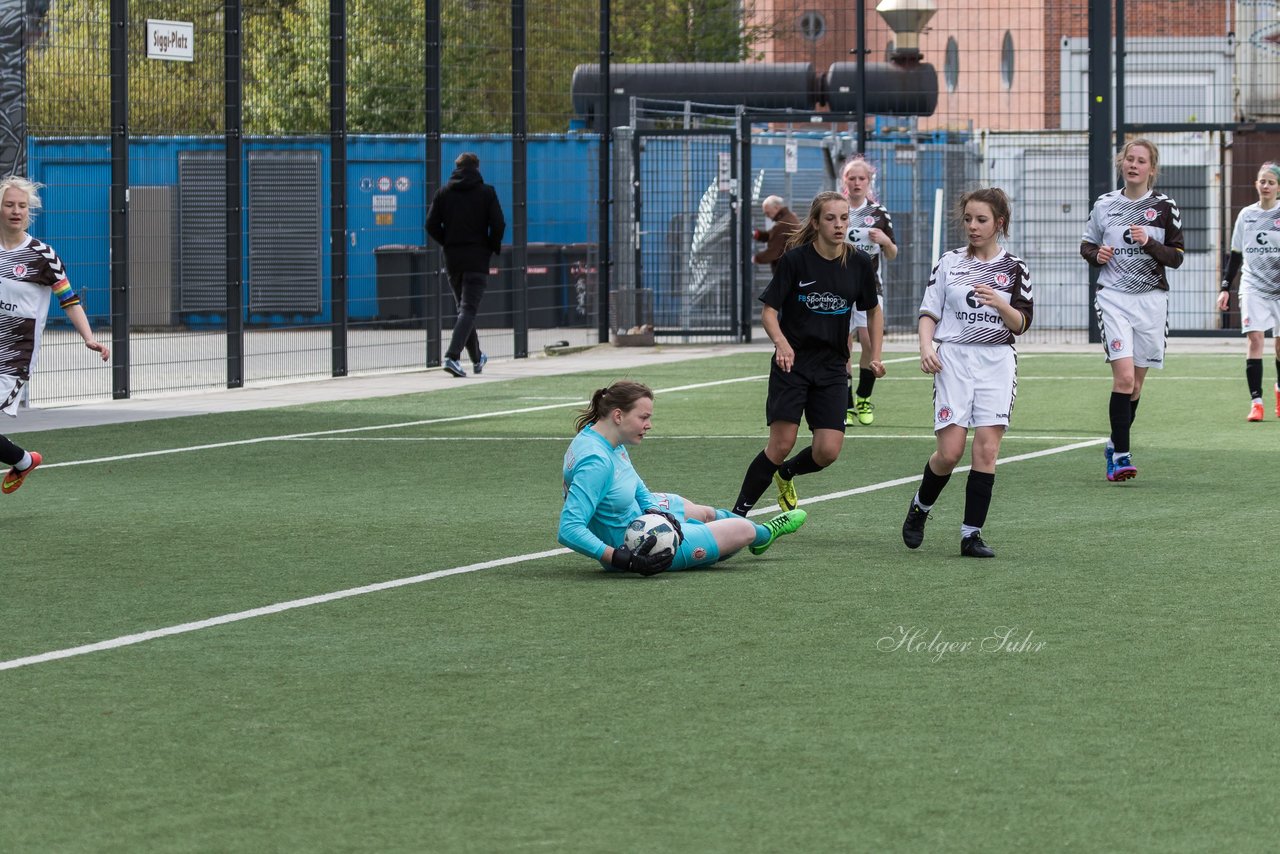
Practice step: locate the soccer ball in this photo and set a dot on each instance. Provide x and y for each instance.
(651, 525)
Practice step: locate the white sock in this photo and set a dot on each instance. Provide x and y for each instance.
(25, 462)
(968, 531)
(921, 506)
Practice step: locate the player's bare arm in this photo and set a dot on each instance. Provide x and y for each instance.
(783, 354)
(929, 361)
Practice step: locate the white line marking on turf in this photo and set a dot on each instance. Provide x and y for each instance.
(756, 437)
(280, 607)
(371, 427)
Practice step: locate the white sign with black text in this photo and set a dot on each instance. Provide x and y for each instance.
(174, 40)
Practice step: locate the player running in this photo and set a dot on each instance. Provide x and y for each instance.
(1134, 234)
(978, 299)
(30, 272)
(871, 230)
(807, 306)
(1255, 254)
(603, 494)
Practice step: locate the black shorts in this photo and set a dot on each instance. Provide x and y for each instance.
(822, 399)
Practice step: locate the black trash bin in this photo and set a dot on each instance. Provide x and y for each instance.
(545, 275)
(402, 285)
(581, 283)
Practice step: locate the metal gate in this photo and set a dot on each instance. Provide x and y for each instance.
(687, 266)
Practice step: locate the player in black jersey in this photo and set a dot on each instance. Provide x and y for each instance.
(1134, 234)
(977, 300)
(871, 230)
(807, 305)
(1255, 254)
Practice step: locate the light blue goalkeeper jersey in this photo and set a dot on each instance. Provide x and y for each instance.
(602, 494)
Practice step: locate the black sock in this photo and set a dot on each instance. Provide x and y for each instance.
(977, 497)
(1133, 409)
(931, 486)
(866, 382)
(10, 453)
(759, 476)
(851, 389)
(1253, 376)
(1278, 373)
(1121, 412)
(801, 463)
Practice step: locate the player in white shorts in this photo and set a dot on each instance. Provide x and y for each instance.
(1255, 254)
(1134, 234)
(31, 274)
(871, 230)
(978, 299)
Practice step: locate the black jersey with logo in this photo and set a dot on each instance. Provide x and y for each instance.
(815, 299)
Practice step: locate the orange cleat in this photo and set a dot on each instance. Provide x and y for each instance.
(1255, 411)
(14, 478)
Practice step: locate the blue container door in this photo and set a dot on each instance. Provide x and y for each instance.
(385, 206)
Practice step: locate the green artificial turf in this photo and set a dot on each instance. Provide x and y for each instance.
(1105, 684)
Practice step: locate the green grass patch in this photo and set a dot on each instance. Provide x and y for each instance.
(1101, 685)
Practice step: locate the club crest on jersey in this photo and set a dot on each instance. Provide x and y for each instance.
(1277, 223)
(19, 270)
(1002, 280)
(1116, 345)
(1150, 214)
(868, 220)
(699, 553)
(945, 414)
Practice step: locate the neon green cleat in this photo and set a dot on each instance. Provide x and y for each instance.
(787, 499)
(850, 417)
(780, 525)
(865, 409)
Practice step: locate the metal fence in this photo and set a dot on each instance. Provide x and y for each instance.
(248, 205)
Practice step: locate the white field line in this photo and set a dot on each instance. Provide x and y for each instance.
(279, 607)
(421, 423)
(759, 437)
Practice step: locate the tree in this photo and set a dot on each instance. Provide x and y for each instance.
(285, 47)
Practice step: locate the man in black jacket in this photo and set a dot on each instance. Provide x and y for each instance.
(466, 219)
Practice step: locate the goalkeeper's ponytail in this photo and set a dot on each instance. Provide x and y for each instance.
(621, 395)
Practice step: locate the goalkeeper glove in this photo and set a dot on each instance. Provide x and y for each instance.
(640, 560)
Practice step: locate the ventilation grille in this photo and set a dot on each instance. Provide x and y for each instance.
(285, 232)
(202, 240)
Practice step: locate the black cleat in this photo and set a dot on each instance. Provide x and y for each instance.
(973, 546)
(913, 527)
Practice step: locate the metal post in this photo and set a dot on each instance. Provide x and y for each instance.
(433, 118)
(338, 182)
(13, 82)
(519, 182)
(862, 78)
(1101, 170)
(747, 206)
(233, 151)
(120, 198)
(1120, 51)
(604, 254)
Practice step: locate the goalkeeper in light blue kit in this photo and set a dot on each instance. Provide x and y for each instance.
(603, 494)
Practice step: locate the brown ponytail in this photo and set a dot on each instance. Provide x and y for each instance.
(623, 395)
